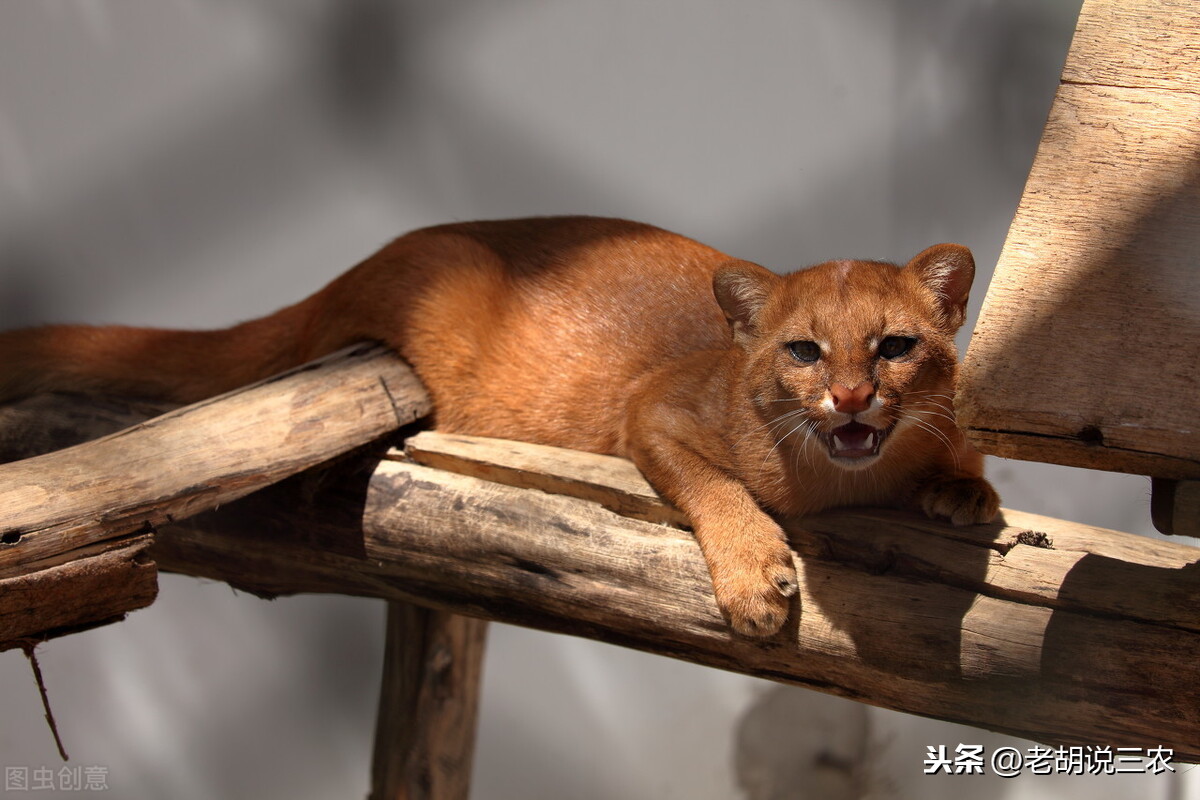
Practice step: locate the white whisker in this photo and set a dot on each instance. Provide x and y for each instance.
(941, 414)
(929, 427)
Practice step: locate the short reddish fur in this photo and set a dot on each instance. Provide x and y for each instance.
(605, 335)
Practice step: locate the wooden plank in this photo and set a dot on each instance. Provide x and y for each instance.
(614, 483)
(95, 585)
(1137, 43)
(1087, 347)
(429, 703)
(1089, 640)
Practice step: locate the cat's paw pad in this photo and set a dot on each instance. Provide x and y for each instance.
(755, 596)
(962, 501)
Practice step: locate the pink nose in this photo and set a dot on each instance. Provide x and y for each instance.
(852, 401)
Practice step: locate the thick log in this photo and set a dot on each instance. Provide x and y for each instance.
(428, 705)
(1087, 347)
(73, 523)
(1058, 632)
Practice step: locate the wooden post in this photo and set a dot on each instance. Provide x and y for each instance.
(429, 701)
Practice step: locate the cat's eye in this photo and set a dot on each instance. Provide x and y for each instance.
(804, 352)
(895, 346)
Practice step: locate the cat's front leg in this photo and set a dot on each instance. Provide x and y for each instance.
(752, 568)
(961, 499)
(751, 565)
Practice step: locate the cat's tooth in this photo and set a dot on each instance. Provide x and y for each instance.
(838, 444)
(870, 441)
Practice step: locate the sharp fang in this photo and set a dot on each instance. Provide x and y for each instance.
(870, 441)
(838, 444)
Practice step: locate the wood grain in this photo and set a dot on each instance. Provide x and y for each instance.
(94, 585)
(1058, 632)
(614, 483)
(203, 455)
(1150, 44)
(1087, 347)
(60, 511)
(428, 705)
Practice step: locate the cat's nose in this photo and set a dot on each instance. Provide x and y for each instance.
(852, 401)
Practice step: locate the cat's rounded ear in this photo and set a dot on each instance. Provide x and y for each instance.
(947, 270)
(742, 289)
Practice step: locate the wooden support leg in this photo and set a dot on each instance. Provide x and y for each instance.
(425, 731)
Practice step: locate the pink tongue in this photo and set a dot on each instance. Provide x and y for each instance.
(853, 436)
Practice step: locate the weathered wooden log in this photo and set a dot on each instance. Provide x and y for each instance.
(74, 523)
(1087, 347)
(1058, 632)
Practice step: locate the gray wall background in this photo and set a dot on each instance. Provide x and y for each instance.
(199, 162)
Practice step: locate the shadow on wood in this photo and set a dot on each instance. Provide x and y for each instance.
(1055, 631)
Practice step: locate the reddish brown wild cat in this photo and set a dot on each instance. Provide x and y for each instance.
(731, 387)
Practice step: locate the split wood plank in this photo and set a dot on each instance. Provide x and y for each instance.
(985, 626)
(55, 509)
(1088, 345)
(1030, 564)
(614, 483)
(94, 585)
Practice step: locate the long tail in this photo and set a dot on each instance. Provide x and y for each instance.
(154, 364)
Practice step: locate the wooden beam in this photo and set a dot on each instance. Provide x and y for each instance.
(1058, 632)
(73, 523)
(1087, 347)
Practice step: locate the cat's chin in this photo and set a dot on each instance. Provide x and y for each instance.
(854, 445)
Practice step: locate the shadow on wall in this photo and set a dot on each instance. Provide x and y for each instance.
(794, 744)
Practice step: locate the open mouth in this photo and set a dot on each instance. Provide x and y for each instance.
(855, 440)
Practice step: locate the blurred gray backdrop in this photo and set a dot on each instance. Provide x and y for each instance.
(200, 162)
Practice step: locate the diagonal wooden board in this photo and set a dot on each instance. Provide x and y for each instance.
(1087, 351)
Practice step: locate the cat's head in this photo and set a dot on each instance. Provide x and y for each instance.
(849, 354)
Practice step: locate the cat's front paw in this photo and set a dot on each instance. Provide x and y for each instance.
(754, 584)
(962, 501)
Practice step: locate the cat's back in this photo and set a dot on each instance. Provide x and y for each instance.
(536, 329)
